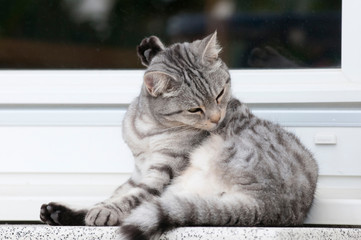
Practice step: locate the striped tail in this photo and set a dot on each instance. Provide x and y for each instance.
(151, 219)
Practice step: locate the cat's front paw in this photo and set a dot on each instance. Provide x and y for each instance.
(58, 214)
(104, 215)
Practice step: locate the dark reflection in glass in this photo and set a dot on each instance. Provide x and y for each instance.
(102, 34)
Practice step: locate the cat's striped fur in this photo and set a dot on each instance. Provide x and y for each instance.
(201, 157)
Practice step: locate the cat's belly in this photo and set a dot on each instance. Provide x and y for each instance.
(203, 177)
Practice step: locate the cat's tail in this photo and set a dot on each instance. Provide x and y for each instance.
(151, 219)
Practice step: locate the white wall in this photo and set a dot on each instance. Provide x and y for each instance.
(76, 155)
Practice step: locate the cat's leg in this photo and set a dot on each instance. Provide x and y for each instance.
(58, 214)
(119, 206)
(151, 219)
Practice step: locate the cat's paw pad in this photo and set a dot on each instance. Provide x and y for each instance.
(103, 215)
(148, 48)
(52, 213)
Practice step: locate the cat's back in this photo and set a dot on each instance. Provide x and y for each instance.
(255, 140)
(269, 162)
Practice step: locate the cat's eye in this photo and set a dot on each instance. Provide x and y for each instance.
(195, 110)
(220, 96)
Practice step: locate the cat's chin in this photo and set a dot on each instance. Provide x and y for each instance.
(208, 127)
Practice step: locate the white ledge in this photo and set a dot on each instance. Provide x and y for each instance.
(108, 87)
(40, 232)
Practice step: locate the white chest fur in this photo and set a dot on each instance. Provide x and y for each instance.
(203, 177)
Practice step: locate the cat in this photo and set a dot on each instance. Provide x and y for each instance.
(201, 157)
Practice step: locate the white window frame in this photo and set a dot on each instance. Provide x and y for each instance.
(252, 86)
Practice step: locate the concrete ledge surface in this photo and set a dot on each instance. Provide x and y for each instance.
(44, 232)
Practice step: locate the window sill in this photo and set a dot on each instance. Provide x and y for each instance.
(204, 233)
(121, 86)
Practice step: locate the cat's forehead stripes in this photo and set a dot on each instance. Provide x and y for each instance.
(181, 54)
(201, 80)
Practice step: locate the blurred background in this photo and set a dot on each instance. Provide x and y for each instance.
(103, 34)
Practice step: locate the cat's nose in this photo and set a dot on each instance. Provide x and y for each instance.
(214, 118)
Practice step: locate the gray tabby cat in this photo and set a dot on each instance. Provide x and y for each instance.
(201, 157)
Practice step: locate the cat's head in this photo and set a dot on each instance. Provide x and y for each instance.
(185, 83)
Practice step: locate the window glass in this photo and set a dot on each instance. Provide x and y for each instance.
(102, 34)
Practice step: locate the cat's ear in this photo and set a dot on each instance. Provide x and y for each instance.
(148, 48)
(210, 48)
(158, 82)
